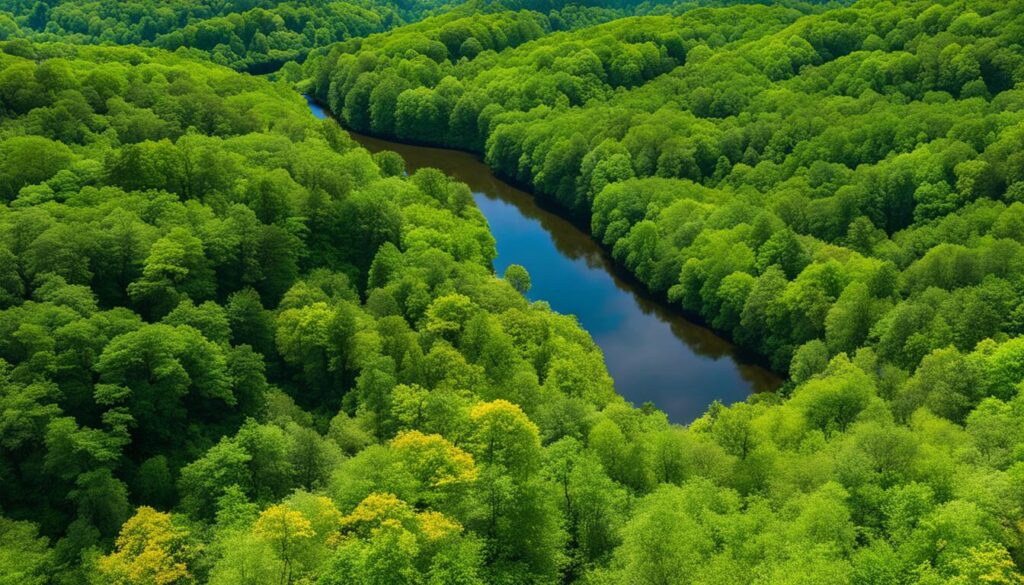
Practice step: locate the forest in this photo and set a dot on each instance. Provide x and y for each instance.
(238, 348)
(262, 36)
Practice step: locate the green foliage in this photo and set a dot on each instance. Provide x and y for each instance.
(236, 348)
(258, 36)
(24, 557)
(184, 312)
(836, 145)
(518, 277)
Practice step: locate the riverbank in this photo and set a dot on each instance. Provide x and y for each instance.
(654, 353)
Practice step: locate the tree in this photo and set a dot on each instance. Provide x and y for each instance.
(733, 429)
(166, 378)
(459, 563)
(287, 531)
(418, 115)
(371, 221)
(809, 360)
(208, 318)
(154, 484)
(250, 323)
(315, 340)
(25, 557)
(39, 17)
(151, 548)
(989, 563)
(447, 316)
(176, 268)
(148, 165)
(196, 276)
(832, 401)
(518, 277)
(102, 500)
(592, 504)
(246, 559)
(783, 249)
(662, 543)
(391, 163)
(850, 319)
(433, 461)
(27, 160)
(946, 382)
(203, 482)
(504, 436)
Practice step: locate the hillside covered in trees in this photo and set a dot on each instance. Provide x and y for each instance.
(261, 36)
(237, 348)
(872, 146)
(252, 35)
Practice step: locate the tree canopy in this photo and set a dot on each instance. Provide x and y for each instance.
(235, 347)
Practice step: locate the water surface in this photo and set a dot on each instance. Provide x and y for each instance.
(653, 353)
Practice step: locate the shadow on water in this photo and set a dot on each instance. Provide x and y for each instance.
(653, 352)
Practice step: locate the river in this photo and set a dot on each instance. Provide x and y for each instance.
(653, 353)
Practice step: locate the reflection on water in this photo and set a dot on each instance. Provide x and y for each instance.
(653, 353)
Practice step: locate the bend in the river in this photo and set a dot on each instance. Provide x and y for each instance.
(653, 353)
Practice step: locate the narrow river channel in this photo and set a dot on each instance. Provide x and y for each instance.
(653, 353)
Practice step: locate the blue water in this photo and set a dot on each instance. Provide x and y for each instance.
(653, 353)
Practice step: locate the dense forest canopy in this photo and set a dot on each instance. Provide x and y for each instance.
(208, 294)
(261, 36)
(235, 347)
(252, 35)
(810, 184)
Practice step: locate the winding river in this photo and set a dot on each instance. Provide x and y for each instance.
(652, 352)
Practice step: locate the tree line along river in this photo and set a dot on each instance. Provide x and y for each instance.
(653, 353)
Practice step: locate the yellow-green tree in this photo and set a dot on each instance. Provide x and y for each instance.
(150, 550)
(287, 531)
